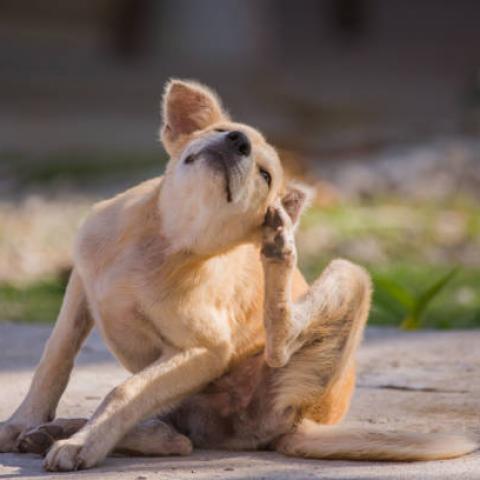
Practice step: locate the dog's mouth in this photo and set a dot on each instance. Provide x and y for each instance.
(220, 164)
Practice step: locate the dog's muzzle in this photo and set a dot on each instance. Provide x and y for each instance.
(229, 154)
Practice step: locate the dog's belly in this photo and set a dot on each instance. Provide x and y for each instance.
(236, 411)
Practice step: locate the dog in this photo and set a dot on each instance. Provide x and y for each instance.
(192, 280)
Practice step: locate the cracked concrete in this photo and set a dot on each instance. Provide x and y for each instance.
(421, 381)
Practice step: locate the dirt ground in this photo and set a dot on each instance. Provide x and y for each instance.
(420, 381)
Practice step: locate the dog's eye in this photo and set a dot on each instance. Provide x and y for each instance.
(266, 176)
(220, 130)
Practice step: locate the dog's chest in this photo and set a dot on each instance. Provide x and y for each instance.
(220, 302)
(141, 322)
(142, 311)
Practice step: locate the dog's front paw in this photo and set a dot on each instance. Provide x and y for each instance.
(71, 454)
(278, 243)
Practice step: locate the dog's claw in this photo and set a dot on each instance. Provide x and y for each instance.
(273, 218)
(35, 441)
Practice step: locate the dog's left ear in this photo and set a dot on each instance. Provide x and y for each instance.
(187, 107)
(296, 199)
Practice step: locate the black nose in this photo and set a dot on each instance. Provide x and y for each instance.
(239, 142)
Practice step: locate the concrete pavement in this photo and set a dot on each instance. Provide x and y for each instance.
(420, 381)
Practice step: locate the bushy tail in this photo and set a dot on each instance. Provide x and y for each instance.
(312, 440)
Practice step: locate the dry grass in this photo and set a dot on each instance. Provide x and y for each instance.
(36, 236)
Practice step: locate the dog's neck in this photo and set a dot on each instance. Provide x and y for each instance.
(183, 273)
(189, 227)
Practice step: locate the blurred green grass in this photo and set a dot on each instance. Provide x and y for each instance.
(37, 302)
(80, 166)
(413, 244)
(88, 167)
(457, 306)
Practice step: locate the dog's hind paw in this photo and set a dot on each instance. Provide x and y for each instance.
(41, 438)
(35, 441)
(278, 237)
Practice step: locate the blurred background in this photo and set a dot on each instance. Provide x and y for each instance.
(375, 103)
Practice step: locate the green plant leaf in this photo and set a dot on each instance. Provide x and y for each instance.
(397, 292)
(413, 319)
(426, 297)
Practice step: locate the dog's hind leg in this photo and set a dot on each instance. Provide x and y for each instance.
(52, 374)
(329, 318)
(152, 437)
(314, 341)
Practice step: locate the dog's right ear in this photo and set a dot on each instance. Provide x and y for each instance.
(187, 106)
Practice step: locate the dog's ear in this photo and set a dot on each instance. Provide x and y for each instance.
(188, 106)
(296, 199)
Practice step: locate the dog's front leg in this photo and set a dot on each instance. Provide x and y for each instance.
(153, 390)
(52, 374)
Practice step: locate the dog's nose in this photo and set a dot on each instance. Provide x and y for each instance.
(239, 142)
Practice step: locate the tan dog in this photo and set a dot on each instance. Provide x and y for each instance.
(192, 280)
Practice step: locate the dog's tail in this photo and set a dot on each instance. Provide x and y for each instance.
(312, 440)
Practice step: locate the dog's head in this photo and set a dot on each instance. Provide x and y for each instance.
(221, 177)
